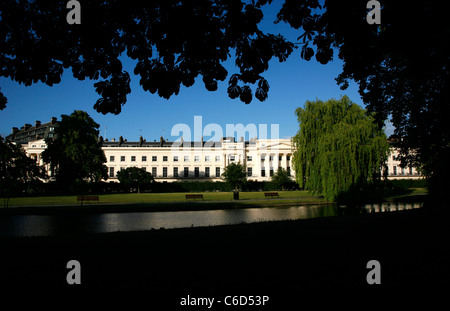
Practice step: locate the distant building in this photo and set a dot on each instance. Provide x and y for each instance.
(28, 133)
(393, 169)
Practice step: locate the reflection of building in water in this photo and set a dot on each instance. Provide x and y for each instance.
(391, 207)
(182, 160)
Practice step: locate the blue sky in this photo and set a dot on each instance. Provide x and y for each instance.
(292, 83)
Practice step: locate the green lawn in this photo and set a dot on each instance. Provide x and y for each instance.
(130, 198)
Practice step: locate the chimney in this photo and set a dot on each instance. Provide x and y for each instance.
(161, 141)
(37, 123)
(53, 120)
(141, 140)
(27, 126)
(14, 130)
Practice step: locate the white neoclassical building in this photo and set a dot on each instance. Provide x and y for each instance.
(203, 161)
(184, 160)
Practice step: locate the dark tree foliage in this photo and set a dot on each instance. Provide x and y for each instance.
(281, 179)
(401, 67)
(135, 177)
(3, 101)
(17, 170)
(75, 153)
(174, 42)
(235, 175)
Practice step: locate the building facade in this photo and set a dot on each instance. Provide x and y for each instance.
(201, 161)
(188, 161)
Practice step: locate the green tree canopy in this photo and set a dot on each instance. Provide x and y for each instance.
(134, 177)
(17, 170)
(235, 174)
(75, 152)
(281, 179)
(338, 147)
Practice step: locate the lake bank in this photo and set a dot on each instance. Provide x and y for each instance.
(124, 203)
(316, 253)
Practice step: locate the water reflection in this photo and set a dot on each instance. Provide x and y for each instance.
(48, 225)
(390, 207)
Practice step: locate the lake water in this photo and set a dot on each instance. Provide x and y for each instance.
(49, 225)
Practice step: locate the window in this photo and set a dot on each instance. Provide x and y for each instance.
(288, 170)
(175, 172)
(196, 159)
(111, 158)
(217, 158)
(42, 146)
(271, 171)
(154, 171)
(217, 171)
(33, 146)
(154, 158)
(144, 158)
(111, 172)
(186, 172)
(249, 172)
(395, 170)
(165, 158)
(186, 158)
(280, 158)
(207, 158)
(263, 158)
(249, 158)
(196, 172)
(270, 158)
(175, 159)
(263, 173)
(403, 171)
(410, 170)
(206, 171)
(164, 171)
(133, 158)
(232, 158)
(288, 158)
(122, 158)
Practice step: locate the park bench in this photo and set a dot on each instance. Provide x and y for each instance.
(194, 196)
(271, 194)
(87, 198)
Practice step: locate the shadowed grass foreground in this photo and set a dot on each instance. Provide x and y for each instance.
(130, 198)
(273, 258)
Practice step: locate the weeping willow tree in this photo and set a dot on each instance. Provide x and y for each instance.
(339, 149)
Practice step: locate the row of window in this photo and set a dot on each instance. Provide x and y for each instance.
(271, 172)
(186, 172)
(280, 158)
(164, 158)
(196, 158)
(176, 172)
(402, 172)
